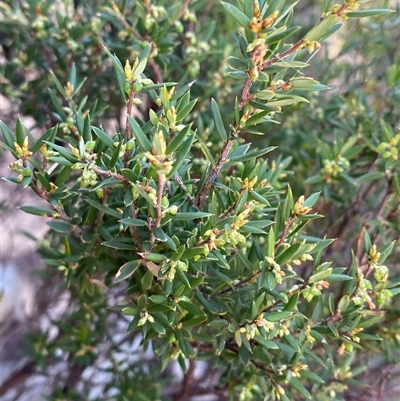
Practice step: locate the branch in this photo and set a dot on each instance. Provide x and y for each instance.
(297, 46)
(214, 173)
(160, 189)
(285, 232)
(187, 383)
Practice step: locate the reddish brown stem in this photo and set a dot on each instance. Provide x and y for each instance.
(160, 190)
(297, 46)
(285, 232)
(214, 173)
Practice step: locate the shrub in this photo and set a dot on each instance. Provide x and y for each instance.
(177, 221)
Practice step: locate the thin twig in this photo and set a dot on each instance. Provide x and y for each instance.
(109, 173)
(297, 46)
(160, 190)
(182, 186)
(285, 232)
(214, 173)
(129, 109)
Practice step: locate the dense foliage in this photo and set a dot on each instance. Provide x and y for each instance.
(275, 271)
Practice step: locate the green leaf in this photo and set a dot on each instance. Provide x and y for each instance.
(372, 176)
(277, 316)
(370, 321)
(252, 155)
(206, 152)
(119, 73)
(281, 34)
(311, 376)
(302, 82)
(292, 303)
(289, 64)
(191, 308)
(221, 259)
(244, 355)
(19, 132)
(103, 208)
(238, 15)
(181, 154)
(182, 277)
(300, 388)
(158, 299)
(274, 5)
(257, 197)
(210, 305)
(327, 5)
(385, 251)
(322, 28)
(59, 86)
(145, 52)
(339, 277)
(369, 13)
(191, 252)
(61, 160)
(237, 64)
(186, 348)
(140, 67)
(219, 125)
(44, 181)
(153, 257)
(126, 270)
(182, 113)
(140, 136)
(265, 95)
(178, 140)
(38, 211)
(63, 175)
(271, 242)
(190, 215)
(246, 228)
(287, 102)
(106, 139)
(331, 31)
(131, 174)
(119, 245)
(8, 135)
(60, 226)
(57, 105)
(188, 322)
(152, 308)
(133, 222)
(49, 135)
(63, 152)
(288, 254)
(322, 275)
(158, 327)
(147, 280)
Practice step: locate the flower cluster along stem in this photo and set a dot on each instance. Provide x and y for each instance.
(245, 97)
